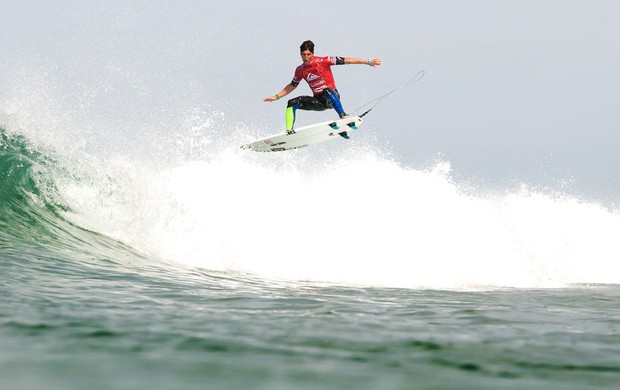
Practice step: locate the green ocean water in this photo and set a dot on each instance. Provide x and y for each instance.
(80, 309)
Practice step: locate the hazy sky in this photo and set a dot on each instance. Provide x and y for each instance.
(514, 91)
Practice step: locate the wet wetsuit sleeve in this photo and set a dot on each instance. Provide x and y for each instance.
(334, 60)
(297, 77)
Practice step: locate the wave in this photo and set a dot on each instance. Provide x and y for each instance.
(33, 222)
(357, 217)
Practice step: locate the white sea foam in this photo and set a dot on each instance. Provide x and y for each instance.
(356, 218)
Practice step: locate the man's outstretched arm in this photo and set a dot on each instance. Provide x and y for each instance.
(362, 61)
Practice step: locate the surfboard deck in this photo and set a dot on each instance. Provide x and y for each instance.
(307, 135)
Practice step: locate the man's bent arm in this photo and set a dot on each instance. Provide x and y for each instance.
(285, 91)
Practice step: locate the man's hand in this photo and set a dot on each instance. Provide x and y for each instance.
(374, 62)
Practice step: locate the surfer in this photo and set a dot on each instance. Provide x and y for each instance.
(317, 73)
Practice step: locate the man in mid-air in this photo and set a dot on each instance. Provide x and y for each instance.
(317, 73)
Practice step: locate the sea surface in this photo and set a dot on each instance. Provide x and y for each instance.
(123, 275)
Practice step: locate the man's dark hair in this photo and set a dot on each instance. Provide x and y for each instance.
(307, 45)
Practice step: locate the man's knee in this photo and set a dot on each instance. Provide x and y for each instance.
(293, 102)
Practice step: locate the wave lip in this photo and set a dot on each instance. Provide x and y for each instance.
(33, 213)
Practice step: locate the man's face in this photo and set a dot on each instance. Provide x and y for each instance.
(306, 56)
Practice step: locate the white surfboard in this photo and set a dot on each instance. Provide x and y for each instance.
(308, 135)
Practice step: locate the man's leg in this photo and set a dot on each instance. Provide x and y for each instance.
(311, 103)
(333, 97)
(290, 117)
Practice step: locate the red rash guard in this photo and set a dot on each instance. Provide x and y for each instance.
(317, 73)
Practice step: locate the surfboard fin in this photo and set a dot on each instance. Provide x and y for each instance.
(352, 125)
(334, 125)
(344, 135)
